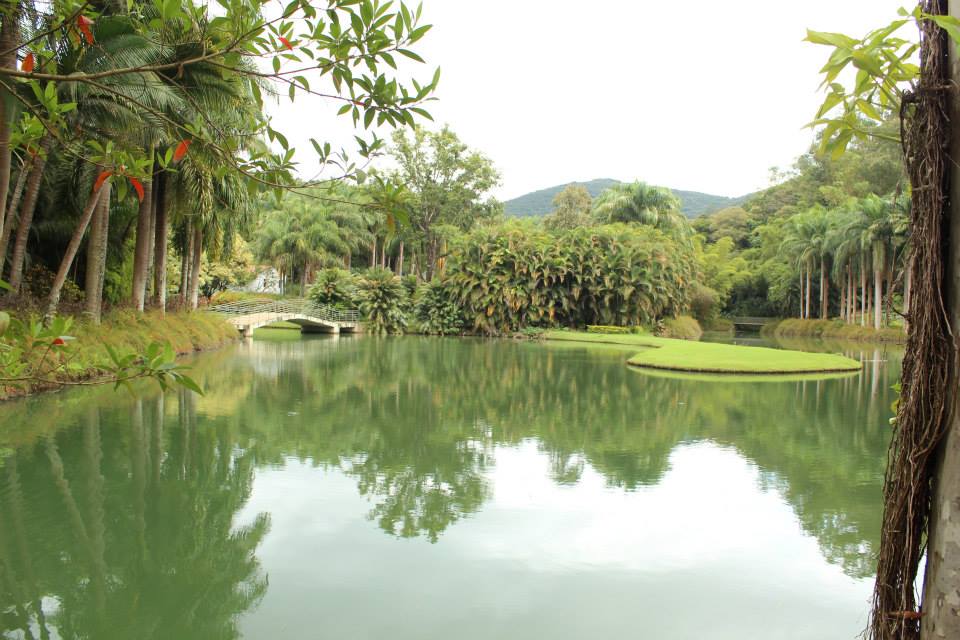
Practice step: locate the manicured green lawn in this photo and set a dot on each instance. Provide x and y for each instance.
(708, 357)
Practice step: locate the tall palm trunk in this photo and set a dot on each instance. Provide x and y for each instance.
(843, 300)
(400, 260)
(852, 295)
(53, 299)
(373, 253)
(97, 256)
(808, 314)
(185, 261)
(197, 246)
(877, 296)
(26, 217)
(802, 314)
(891, 272)
(8, 221)
(161, 225)
(9, 40)
(863, 293)
(144, 241)
(824, 288)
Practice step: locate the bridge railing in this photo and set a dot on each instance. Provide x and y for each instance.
(299, 306)
(751, 320)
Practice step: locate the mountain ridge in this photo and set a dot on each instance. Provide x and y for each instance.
(540, 202)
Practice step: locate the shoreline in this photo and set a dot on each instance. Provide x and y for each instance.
(188, 333)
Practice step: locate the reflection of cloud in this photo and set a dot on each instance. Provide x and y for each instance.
(708, 512)
(705, 553)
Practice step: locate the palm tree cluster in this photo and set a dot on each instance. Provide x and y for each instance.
(118, 170)
(132, 127)
(856, 255)
(314, 230)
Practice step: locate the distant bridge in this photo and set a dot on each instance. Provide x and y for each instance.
(750, 324)
(247, 315)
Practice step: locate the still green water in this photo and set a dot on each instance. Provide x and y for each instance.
(423, 488)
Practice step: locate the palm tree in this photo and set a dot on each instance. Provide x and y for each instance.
(641, 203)
(877, 226)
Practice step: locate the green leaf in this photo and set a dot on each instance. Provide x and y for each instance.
(187, 382)
(949, 24)
(831, 39)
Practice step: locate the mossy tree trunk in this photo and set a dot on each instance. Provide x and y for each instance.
(941, 589)
(26, 215)
(53, 299)
(196, 253)
(141, 251)
(97, 255)
(161, 227)
(9, 40)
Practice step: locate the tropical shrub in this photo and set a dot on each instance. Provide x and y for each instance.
(595, 328)
(680, 328)
(704, 303)
(510, 277)
(383, 299)
(335, 288)
(435, 310)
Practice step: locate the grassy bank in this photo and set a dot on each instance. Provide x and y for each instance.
(129, 332)
(796, 328)
(706, 357)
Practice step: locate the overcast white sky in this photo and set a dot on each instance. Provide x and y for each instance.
(700, 95)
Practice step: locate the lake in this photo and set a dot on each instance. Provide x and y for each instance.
(428, 488)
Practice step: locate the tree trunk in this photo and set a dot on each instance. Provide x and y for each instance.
(303, 282)
(26, 217)
(373, 253)
(877, 297)
(9, 39)
(907, 282)
(142, 246)
(160, 242)
(863, 293)
(53, 300)
(197, 246)
(8, 220)
(185, 255)
(891, 272)
(824, 289)
(941, 589)
(97, 255)
(400, 261)
(853, 293)
(843, 300)
(807, 311)
(801, 293)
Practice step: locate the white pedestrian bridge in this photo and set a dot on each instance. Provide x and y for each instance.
(247, 315)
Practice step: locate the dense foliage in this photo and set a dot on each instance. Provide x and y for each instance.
(383, 301)
(436, 310)
(518, 276)
(335, 288)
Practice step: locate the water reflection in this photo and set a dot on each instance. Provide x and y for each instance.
(124, 517)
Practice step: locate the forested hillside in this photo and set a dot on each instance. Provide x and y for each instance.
(540, 202)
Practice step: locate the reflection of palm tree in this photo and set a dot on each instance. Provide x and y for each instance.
(166, 561)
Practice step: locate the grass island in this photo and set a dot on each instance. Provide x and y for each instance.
(706, 357)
